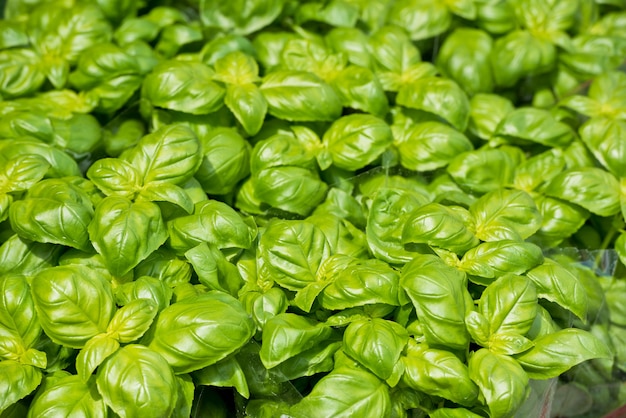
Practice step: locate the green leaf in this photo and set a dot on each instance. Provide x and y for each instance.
(136, 381)
(422, 19)
(554, 354)
(125, 233)
(183, 86)
(439, 295)
(240, 17)
(483, 170)
(22, 172)
(558, 284)
(355, 141)
(166, 192)
(170, 154)
(590, 187)
(560, 220)
(115, 177)
(94, 353)
(438, 226)
(65, 395)
(20, 72)
(18, 318)
(486, 113)
(464, 57)
(604, 137)
(16, 381)
(236, 68)
(286, 335)
(538, 170)
(534, 125)
(54, 211)
(132, 320)
(505, 214)
(293, 251)
(439, 373)
(502, 381)
(225, 161)
(439, 96)
(429, 145)
(197, 332)
(388, 213)
(77, 294)
(248, 104)
(357, 283)
(344, 393)
(509, 343)
(518, 54)
(225, 373)
(359, 88)
(291, 189)
(376, 344)
(300, 96)
(491, 260)
(318, 359)
(213, 269)
(213, 222)
(19, 256)
(509, 304)
(263, 306)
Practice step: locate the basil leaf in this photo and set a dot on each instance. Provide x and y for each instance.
(558, 284)
(491, 260)
(359, 283)
(343, 393)
(509, 304)
(486, 113)
(429, 145)
(376, 344)
(197, 332)
(560, 220)
(422, 19)
(483, 170)
(441, 97)
(18, 318)
(19, 256)
(501, 380)
(170, 154)
(602, 136)
(110, 234)
(355, 141)
(439, 295)
(300, 96)
(553, 354)
(67, 395)
(592, 188)
(286, 335)
(77, 294)
(439, 373)
(53, 211)
(293, 252)
(388, 213)
(132, 320)
(359, 88)
(183, 86)
(318, 359)
(225, 373)
(95, 351)
(248, 104)
(505, 214)
(136, 381)
(534, 125)
(115, 177)
(464, 57)
(438, 226)
(241, 17)
(16, 382)
(212, 222)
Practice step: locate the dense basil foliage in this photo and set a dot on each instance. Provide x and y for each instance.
(324, 208)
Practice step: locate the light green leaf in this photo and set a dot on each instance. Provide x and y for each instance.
(483, 170)
(248, 104)
(16, 381)
(79, 295)
(136, 381)
(605, 138)
(558, 284)
(95, 351)
(225, 373)
(125, 233)
(501, 380)
(491, 260)
(286, 335)
(505, 214)
(554, 354)
(239, 16)
(534, 125)
(132, 320)
(439, 96)
(422, 19)
(590, 187)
